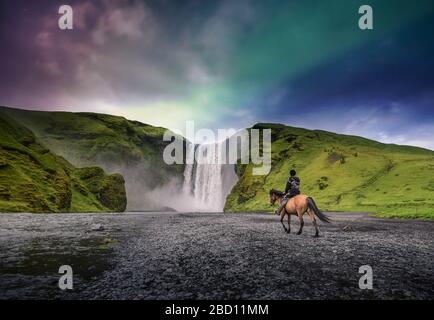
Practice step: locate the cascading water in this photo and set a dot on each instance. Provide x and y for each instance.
(207, 180)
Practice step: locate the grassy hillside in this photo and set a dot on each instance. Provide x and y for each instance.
(343, 173)
(114, 143)
(33, 179)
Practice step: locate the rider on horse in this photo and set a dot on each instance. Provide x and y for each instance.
(291, 190)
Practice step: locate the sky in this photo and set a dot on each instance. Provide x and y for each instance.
(227, 64)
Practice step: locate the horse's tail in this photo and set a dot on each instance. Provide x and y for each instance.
(312, 206)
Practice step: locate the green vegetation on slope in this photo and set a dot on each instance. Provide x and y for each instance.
(343, 173)
(33, 179)
(114, 143)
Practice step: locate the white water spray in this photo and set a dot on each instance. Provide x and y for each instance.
(209, 182)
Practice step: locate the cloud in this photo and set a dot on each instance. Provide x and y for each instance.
(124, 22)
(421, 136)
(119, 51)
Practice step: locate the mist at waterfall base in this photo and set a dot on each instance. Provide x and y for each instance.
(203, 187)
(206, 183)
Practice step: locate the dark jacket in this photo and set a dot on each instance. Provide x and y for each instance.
(293, 186)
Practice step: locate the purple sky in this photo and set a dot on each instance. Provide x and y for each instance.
(227, 64)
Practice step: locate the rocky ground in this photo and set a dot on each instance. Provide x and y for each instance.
(213, 256)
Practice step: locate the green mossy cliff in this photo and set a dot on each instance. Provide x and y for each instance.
(343, 173)
(33, 179)
(113, 143)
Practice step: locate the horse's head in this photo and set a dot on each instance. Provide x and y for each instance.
(274, 196)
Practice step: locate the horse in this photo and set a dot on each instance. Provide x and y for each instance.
(298, 205)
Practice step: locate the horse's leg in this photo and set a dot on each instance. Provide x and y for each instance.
(312, 217)
(300, 218)
(282, 215)
(289, 223)
(281, 207)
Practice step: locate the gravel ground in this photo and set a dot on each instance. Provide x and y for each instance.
(213, 256)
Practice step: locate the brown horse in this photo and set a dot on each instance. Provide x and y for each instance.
(298, 205)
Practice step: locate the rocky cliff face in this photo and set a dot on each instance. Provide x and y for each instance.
(34, 179)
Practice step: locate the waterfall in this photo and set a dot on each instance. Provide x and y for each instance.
(208, 181)
(188, 171)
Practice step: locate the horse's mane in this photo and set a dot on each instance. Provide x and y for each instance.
(277, 192)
